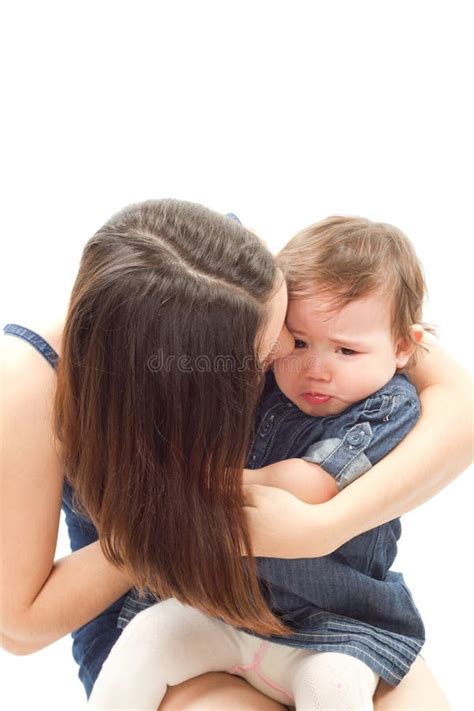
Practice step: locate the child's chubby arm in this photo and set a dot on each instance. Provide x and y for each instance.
(305, 480)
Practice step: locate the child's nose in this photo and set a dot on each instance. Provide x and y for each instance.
(318, 368)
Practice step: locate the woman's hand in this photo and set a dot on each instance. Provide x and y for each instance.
(282, 526)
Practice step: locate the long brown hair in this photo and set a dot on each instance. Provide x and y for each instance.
(157, 388)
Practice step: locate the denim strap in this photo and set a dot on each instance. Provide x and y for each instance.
(42, 346)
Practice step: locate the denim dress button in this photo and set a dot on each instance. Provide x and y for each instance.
(265, 429)
(355, 438)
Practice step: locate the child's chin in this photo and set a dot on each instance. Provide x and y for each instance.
(323, 409)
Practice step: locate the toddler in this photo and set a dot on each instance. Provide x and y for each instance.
(340, 402)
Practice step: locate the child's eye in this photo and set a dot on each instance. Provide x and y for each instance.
(346, 351)
(299, 344)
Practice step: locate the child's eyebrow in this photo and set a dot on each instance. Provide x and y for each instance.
(349, 341)
(336, 339)
(294, 330)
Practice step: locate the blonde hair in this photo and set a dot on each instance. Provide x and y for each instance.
(349, 258)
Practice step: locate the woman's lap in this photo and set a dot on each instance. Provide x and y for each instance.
(216, 691)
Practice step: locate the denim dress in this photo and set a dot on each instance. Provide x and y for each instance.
(349, 601)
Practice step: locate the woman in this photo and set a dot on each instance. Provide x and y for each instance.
(160, 280)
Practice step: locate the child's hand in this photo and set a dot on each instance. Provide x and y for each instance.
(253, 476)
(282, 526)
(309, 482)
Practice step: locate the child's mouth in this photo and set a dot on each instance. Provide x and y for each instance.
(316, 398)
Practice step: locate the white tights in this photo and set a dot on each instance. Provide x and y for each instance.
(169, 643)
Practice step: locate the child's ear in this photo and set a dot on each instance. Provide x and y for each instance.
(406, 346)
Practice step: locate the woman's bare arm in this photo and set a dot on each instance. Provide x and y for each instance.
(434, 453)
(41, 600)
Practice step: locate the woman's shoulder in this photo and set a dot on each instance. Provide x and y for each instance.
(28, 384)
(28, 380)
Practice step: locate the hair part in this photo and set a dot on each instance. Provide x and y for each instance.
(156, 454)
(349, 258)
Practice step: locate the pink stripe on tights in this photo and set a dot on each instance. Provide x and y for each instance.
(255, 666)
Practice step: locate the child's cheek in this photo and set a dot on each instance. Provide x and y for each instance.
(285, 376)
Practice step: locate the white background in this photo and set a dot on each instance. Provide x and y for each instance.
(283, 112)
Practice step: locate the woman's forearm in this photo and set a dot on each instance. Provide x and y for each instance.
(79, 587)
(435, 452)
